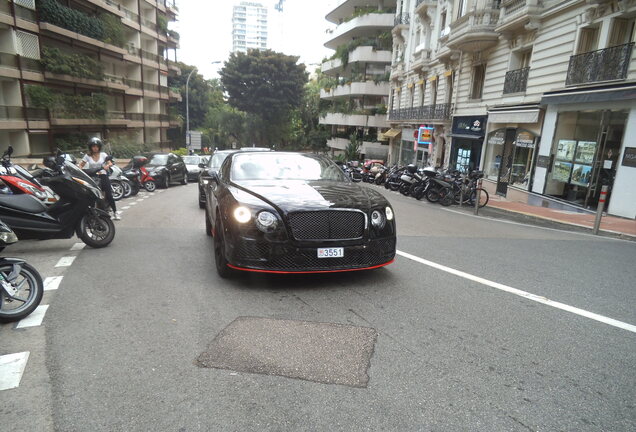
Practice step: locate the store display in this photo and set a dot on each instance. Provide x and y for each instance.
(565, 150)
(561, 171)
(585, 151)
(581, 175)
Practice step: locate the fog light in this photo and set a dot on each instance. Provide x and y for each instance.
(389, 213)
(377, 219)
(242, 214)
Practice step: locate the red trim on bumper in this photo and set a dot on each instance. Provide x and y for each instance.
(308, 272)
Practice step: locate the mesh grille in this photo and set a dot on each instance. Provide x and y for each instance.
(327, 225)
(28, 45)
(29, 4)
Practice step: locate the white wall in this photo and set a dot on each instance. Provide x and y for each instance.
(623, 198)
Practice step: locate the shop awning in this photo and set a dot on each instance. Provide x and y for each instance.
(590, 95)
(392, 133)
(514, 116)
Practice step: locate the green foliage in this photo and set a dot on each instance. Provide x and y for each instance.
(352, 151)
(62, 105)
(381, 42)
(162, 23)
(173, 34)
(268, 85)
(180, 151)
(71, 142)
(122, 147)
(114, 32)
(107, 27)
(366, 10)
(77, 65)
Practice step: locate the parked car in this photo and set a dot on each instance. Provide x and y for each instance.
(276, 212)
(167, 168)
(193, 163)
(213, 165)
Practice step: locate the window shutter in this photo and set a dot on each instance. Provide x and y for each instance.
(28, 45)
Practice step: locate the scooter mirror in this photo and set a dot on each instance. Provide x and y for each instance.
(49, 162)
(10, 150)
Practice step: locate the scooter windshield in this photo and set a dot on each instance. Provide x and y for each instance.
(75, 171)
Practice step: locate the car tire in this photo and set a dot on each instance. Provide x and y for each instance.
(185, 179)
(150, 186)
(208, 224)
(222, 268)
(201, 204)
(166, 181)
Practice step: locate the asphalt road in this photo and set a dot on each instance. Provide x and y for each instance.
(143, 335)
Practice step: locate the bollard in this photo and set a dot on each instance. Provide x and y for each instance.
(601, 206)
(461, 194)
(477, 196)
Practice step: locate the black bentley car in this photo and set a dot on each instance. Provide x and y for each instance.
(295, 213)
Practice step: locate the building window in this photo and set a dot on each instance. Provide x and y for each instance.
(461, 9)
(588, 40)
(422, 92)
(411, 95)
(434, 91)
(477, 87)
(449, 87)
(622, 32)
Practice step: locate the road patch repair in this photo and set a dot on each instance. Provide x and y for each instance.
(320, 352)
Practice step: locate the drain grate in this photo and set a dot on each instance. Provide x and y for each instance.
(320, 352)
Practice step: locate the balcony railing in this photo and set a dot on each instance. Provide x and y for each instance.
(11, 112)
(37, 114)
(135, 116)
(512, 6)
(609, 64)
(5, 8)
(427, 112)
(151, 56)
(30, 64)
(405, 19)
(8, 60)
(24, 13)
(516, 81)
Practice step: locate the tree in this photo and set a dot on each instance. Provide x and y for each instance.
(352, 151)
(268, 85)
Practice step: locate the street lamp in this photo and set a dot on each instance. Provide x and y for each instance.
(188, 138)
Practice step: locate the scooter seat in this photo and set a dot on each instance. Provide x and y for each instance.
(22, 202)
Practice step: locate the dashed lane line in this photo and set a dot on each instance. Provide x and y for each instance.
(52, 283)
(78, 246)
(11, 369)
(536, 298)
(125, 208)
(133, 203)
(34, 319)
(65, 261)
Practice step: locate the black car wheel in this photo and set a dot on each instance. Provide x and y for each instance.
(166, 181)
(185, 179)
(201, 204)
(219, 253)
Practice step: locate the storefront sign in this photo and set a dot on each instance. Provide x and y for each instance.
(629, 158)
(469, 125)
(425, 135)
(543, 161)
(525, 140)
(497, 137)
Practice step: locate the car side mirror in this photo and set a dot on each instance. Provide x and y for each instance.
(202, 165)
(214, 175)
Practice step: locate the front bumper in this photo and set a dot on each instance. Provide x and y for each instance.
(252, 255)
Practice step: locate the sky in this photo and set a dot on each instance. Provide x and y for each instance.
(205, 27)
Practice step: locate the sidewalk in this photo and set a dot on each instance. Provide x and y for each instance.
(610, 224)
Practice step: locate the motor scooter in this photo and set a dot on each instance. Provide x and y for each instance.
(80, 209)
(21, 286)
(16, 180)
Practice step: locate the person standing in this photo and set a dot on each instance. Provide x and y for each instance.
(96, 158)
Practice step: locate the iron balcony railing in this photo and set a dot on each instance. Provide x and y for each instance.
(426, 112)
(405, 18)
(516, 81)
(607, 64)
(11, 112)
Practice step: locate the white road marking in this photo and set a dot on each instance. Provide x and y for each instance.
(133, 203)
(52, 283)
(140, 200)
(34, 319)
(78, 246)
(65, 261)
(524, 294)
(11, 369)
(126, 208)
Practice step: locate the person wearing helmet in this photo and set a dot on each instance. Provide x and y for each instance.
(96, 158)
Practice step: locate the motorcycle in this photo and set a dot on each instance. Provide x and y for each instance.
(147, 181)
(119, 183)
(80, 209)
(393, 180)
(21, 286)
(17, 180)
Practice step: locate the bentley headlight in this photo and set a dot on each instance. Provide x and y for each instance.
(242, 214)
(205, 181)
(377, 219)
(389, 213)
(266, 221)
(8, 237)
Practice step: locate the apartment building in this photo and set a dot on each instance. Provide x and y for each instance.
(249, 27)
(357, 86)
(85, 68)
(538, 94)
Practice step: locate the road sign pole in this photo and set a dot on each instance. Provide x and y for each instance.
(477, 196)
(600, 208)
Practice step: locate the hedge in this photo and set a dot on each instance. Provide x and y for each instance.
(77, 65)
(62, 105)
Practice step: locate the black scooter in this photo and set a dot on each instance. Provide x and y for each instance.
(21, 286)
(80, 208)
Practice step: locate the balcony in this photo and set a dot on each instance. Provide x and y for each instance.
(359, 120)
(12, 117)
(402, 20)
(423, 113)
(366, 147)
(474, 31)
(421, 59)
(609, 64)
(360, 27)
(516, 81)
(362, 54)
(519, 14)
(367, 88)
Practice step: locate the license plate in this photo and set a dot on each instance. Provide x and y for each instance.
(330, 252)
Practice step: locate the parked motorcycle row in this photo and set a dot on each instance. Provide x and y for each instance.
(444, 187)
(56, 201)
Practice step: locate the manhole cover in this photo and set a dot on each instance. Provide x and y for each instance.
(321, 352)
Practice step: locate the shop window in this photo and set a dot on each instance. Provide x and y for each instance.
(622, 32)
(477, 87)
(588, 40)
